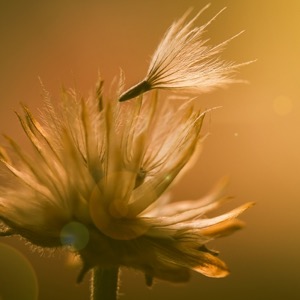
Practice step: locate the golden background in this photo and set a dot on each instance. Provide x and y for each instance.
(254, 137)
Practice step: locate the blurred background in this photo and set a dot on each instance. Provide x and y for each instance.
(254, 137)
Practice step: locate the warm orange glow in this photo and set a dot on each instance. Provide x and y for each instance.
(254, 138)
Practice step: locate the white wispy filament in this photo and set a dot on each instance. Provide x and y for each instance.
(184, 61)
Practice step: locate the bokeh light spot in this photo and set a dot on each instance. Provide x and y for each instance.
(75, 235)
(168, 177)
(282, 105)
(17, 277)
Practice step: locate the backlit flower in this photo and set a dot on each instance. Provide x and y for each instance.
(97, 182)
(98, 177)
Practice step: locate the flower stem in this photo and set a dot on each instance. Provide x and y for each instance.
(104, 285)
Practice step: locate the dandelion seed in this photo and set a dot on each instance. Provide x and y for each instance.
(184, 61)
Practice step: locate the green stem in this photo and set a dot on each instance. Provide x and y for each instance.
(104, 285)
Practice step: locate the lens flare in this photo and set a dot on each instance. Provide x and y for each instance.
(75, 235)
(17, 277)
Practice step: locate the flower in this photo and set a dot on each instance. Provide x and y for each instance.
(183, 61)
(97, 183)
(98, 178)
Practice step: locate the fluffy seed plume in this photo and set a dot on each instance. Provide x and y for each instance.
(184, 61)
